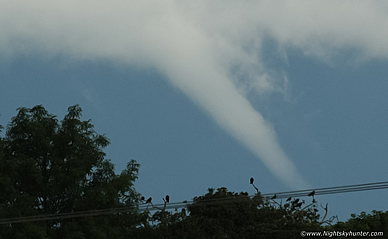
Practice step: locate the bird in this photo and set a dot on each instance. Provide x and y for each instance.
(311, 194)
(167, 198)
(299, 205)
(295, 201)
(251, 180)
(289, 199)
(142, 198)
(149, 200)
(273, 197)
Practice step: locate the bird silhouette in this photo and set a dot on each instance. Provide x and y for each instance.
(142, 198)
(167, 198)
(273, 197)
(251, 180)
(311, 194)
(295, 201)
(289, 199)
(149, 200)
(299, 204)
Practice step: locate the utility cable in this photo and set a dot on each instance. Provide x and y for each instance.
(198, 202)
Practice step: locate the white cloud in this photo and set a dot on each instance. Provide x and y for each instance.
(199, 45)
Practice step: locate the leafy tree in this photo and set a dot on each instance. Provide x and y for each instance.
(223, 214)
(49, 167)
(377, 221)
(57, 170)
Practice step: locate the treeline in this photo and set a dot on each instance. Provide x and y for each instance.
(55, 182)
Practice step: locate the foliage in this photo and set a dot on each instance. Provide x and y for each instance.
(224, 214)
(49, 167)
(377, 221)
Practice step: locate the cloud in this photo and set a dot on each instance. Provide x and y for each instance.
(211, 50)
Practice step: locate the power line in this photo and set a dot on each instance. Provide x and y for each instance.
(331, 190)
(238, 198)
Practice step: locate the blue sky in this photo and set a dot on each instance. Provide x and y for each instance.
(208, 95)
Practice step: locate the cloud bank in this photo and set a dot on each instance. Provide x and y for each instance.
(210, 50)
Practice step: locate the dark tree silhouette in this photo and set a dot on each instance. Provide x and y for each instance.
(59, 167)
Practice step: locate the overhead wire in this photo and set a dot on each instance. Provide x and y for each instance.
(201, 202)
(331, 190)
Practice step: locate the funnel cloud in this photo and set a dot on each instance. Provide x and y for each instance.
(199, 45)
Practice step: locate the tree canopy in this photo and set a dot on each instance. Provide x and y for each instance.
(50, 167)
(377, 221)
(223, 214)
(56, 182)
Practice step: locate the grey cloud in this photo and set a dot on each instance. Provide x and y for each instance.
(197, 44)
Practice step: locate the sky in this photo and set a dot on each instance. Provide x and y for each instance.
(206, 94)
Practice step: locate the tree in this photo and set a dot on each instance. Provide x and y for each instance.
(377, 221)
(55, 179)
(223, 214)
(50, 168)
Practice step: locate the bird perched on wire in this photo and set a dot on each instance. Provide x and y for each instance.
(288, 199)
(149, 200)
(295, 201)
(311, 194)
